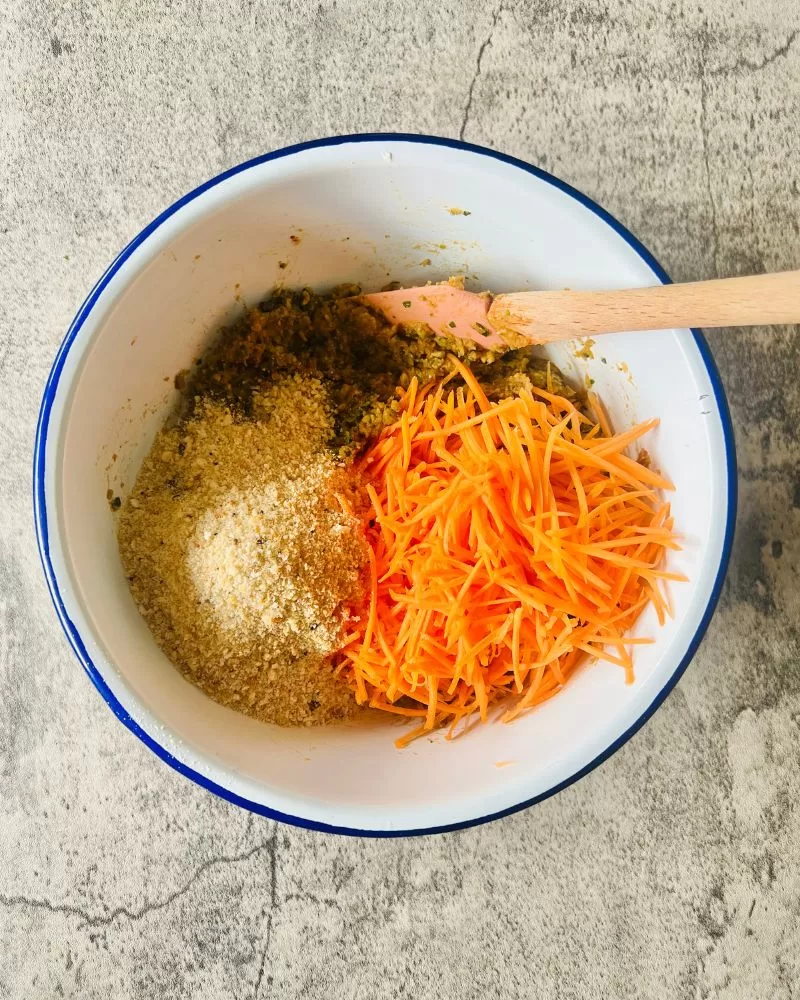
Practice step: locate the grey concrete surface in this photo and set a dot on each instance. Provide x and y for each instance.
(674, 869)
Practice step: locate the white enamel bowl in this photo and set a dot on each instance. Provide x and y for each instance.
(367, 209)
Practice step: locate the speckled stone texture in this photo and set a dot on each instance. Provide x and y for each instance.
(671, 871)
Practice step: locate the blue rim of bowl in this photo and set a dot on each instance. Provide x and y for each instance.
(40, 509)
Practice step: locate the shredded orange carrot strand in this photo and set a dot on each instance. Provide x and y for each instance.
(508, 541)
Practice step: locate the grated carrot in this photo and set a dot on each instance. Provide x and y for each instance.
(508, 542)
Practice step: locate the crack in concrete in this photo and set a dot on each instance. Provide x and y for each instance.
(742, 63)
(755, 67)
(706, 163)
(103, 920)
(272, 845)
(478, 63)
(45, 904)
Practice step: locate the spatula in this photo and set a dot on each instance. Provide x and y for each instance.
(522, 318)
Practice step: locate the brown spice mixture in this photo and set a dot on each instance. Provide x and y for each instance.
(359, 354)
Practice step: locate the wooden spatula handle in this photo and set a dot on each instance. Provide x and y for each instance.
(547, 316)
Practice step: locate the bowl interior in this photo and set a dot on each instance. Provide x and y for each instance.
(368, 212)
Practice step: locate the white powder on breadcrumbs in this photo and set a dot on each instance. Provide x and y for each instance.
(243, 554)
